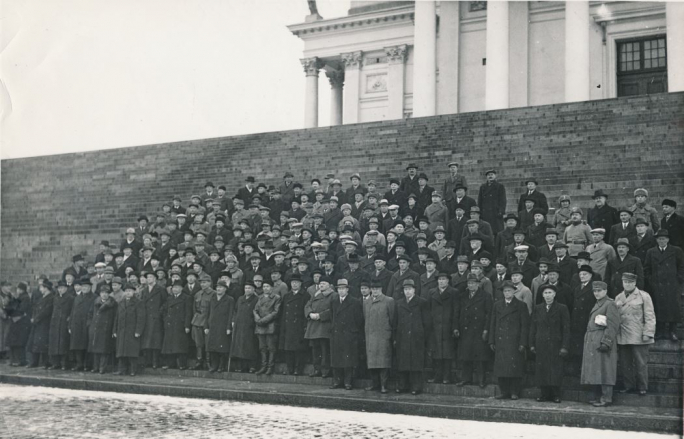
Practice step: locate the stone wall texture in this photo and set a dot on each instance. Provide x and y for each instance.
(54, 207)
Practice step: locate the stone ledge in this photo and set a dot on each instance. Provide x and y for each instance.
(445, 406)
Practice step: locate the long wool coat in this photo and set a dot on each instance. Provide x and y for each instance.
(549, 333)
(664, 272)
(473, 319)
(319, 304)
(19, 330)
(442, 341)
(176, 317)
(411, 333)
(40, 327)
(59, 325)
(293, 321)
(78, 321)
(617, 267)
(582, 302)
(508, 331)
(266, 313)
(219, 322)
(346, 332)
(153, 301)
(492, 201)
(245, 343)
(102, 316)
(601, 367)
(379, 317)
(130, 320)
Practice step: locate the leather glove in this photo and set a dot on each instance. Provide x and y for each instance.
(563, 353)
(492, 347)
(521, 348)
(484, 335)
(604, 348)
(532, 349)
(456, 333)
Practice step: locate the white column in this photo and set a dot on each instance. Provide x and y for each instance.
(352, 78)
(336, 78)
(577, 81)
(448, 48)
(396, 57)
(496, 81)
(425, 65)
(674, 20)
(311, 66)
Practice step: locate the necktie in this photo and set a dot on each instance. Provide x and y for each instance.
(548, 307)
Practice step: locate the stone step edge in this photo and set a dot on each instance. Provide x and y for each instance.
(465, 410)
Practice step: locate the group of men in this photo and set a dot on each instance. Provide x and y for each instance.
(363, 283)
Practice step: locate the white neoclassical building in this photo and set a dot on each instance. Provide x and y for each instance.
(395, 59)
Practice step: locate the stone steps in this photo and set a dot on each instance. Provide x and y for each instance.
(484, 408)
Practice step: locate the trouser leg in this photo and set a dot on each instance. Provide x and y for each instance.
(607, 393)
(515, 385)
(338, 376)
(640, 355)
(384, 376)
(325, 355)
(317, 353)
(438, 371)
(79, 357)
(289, 361)
(627, 366)
(182, 361)
(446, 370)
(403, 381)
(133, 361)
(104, 359)
(416, 378)
(348, 375)
(467, 371)
(504, 386)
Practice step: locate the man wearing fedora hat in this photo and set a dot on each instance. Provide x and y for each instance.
(287, 188)
(582, 303)
(460, 199)
(602, 215)
(531, 193)
(623, 229)
(409, 184)
(623, 263)
(664, 272)
(246, 192)
(454, 179)
(492, 201)
(423, 194)
(673, 223)
(643, 241)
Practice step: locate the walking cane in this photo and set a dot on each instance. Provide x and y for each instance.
(230, 349)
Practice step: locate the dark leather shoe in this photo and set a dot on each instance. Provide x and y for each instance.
(502, 397)
(132, 374)
(118, 372)
(446, 382)
(483, 384)
(347, 387)
(642, 392)
(627, 391)
(335, 386)
(315, 373)
(431, 380)
(515, 397)
(463, 383)
(557, 400)
(197, 366)
(673, 336)
(383, 390)
(415, 392)
(295, 373)
(326, 375)
(601, 404)
(102, 372)
(398, 390)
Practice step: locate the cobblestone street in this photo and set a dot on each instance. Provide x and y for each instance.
(37, 412)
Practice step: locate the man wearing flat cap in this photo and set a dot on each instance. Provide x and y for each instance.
(492, 201)
(448, 187)
(602, 215)
(636, 334)
(642, 210)
(318, 313)
(531, 193)
(599, 360)
(664, 272)
(673, 223)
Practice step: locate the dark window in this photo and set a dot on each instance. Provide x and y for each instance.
(642, 66)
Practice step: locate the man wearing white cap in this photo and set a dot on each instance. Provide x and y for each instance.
(601, 253)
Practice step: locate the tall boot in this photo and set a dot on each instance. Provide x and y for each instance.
(120, 367)
(213, 361)
(199, 365)
(223, 361)
(264, 361)
(271, 363)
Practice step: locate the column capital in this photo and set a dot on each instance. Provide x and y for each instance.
(336, 77)
(311, 65)
(352, 60)
(396, 54)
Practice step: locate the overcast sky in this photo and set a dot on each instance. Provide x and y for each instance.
(80, 75)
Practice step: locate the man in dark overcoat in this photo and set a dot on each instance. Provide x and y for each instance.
(442, 302)
(673, 223)
(345, 335)
(59, 327)
(473, 311)
(664, 272)
(411, 334)
(40, 324)
(492, 201)
(101, 325)
(533, 194)
(602, 216)
(176, 318)
(549, 341)
(78, 324)
(508, 338)
(218, 328)
(623, 263)
(153, 298)
(129, 325)
(245, 347)
(19, 311)
(293, 326)
(583, 301)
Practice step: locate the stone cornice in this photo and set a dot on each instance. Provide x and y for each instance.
(398, 14)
